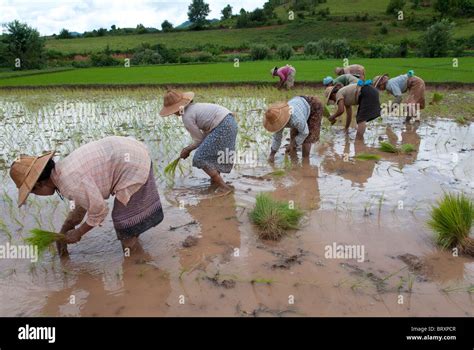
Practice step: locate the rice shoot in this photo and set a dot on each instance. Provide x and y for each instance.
(273, 217)
(43, 239)
(326, 111)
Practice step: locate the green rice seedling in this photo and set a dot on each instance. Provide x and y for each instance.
(43, 239)
(4, 228)
(326, 111)
(388, 147)
(277, 173)
(437, 97)
(170, 169)
(461, 120)
(274, 218)
(287, 165)
(367, 156)
(407, 148)
(452, 220)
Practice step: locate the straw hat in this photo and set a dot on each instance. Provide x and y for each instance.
(276, 116)
(25, 172)
(378, 79)
(328, 92)
(174, 100)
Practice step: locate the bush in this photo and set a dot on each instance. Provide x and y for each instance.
(284, 51)
(379, 50)
(103, 60)
(383, 29)
(340, 48)
(394, 6)
(190, 57)
(311, 48)
(437, 39)
(146, 56)
(259, 52)
(82, 64)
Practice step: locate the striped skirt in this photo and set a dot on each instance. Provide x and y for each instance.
(142, 212)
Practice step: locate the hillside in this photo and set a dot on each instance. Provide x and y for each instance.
(359, 21)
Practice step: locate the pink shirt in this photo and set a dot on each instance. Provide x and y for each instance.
(114, 165)
(284, 72)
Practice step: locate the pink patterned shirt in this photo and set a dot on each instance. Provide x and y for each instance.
(114, 165)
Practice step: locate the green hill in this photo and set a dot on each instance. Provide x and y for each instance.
(359, 21)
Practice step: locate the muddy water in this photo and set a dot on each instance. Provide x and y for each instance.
(380, 206)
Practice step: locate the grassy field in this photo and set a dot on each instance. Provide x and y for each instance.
(431, 70)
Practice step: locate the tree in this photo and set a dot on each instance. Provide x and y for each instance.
(437, 39)
(166, 26)
(463, 8)
(64, 34)
(140, 29)
(198, 10)
(24, 43)
(226, 12)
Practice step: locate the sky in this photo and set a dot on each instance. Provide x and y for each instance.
(49, 17)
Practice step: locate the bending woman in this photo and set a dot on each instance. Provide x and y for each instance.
(303, 115)
(362, 94)
(213, 130)
(113, 166)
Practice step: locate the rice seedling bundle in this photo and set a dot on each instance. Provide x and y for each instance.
(407, 148)
(43, 239)
(388, 147)
(452, 220)
(367, 156)
(274, 218)
(326, 111)
(437, 97)
(170, 169)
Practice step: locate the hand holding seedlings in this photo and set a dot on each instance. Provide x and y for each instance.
(73, 236)
(185, 153)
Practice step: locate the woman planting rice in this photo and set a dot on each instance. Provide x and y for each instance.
(213, 129)
(344, 79)
(399, 85)
(354, 69)
(117, 166)
(303, 115)
(286, 75)
(362, 94)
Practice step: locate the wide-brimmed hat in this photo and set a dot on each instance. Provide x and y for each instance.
(25, 172)
(174, 100)
(378, 79)
(328, 92)
(276, 116)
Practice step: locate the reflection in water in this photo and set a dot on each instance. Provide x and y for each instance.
(219, 235)
(138, 289)
(360, 171)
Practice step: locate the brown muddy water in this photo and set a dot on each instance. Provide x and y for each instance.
(379, 207)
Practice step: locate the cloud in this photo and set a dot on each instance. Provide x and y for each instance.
(50, 17)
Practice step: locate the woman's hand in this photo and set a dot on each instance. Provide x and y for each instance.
(332, 120)
(73, 236)
(271, 157)
(185, 153)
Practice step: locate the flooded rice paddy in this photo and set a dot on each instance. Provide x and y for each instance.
(379, 206)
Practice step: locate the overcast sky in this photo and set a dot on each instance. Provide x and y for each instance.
(50, 17)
